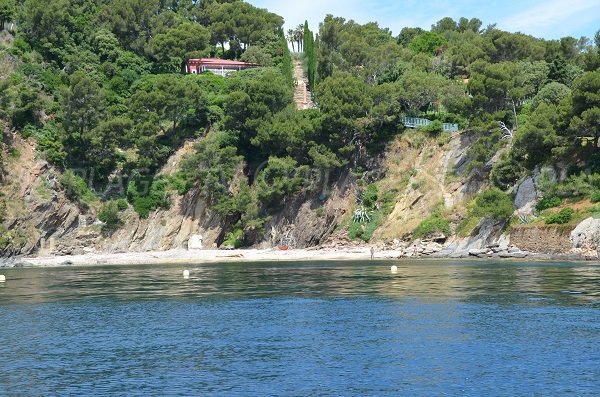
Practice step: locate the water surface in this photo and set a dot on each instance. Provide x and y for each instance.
(302, 329)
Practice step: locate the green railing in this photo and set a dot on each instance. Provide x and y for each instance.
(415, 122)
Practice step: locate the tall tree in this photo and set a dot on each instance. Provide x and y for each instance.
(586, 107)
(7, 11)
(291, 37)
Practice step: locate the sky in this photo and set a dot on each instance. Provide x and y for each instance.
(549, 19)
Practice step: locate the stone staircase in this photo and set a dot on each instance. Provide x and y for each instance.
(302, 94)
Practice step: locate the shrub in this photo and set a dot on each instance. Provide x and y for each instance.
(436, 127)
(595, 196)
(564, 216)
(234, 238)
(281, 177)
(506, 173)
(146, 195)
(493, 203)
(109, 214)
(370, 196)
(76, 189)
(432, 225)
(548, 202)
(122, 204)
(356, 231)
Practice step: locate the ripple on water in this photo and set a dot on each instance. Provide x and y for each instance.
(351, 328)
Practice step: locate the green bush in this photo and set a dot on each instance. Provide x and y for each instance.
(432, 225)
(109, 214)
(595, 196)
(146, 195)
(77, 189)
(548, 202)
(356, 231)
(122, 204)
(506, 173)
(234, 238)
(436, 127)
(370, 196)
(564, 216)
(493, 203)
(282, 176)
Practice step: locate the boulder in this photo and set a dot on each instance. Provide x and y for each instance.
(586, 234)
(526, 196)
(478, 252)
(195, 242)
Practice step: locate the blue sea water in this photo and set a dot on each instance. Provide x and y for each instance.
(302, 329)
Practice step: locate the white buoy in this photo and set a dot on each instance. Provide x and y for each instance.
(394, 268)
(186, 274)
(2, 278)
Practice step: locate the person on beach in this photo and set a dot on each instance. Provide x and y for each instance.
(372, 252)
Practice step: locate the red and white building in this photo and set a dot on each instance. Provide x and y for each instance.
(220, 67)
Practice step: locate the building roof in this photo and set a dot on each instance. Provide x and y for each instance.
(219, 62)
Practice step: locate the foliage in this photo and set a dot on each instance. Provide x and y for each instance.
(8, 9)
(147, 194)
(552, 93)
(76, 188)
(595, 196)
(98, 86)
(370, 196)
(361, 215)
(493, 203)
(234, 238)
(576, 185)
(548, 202)
(122, 204)
(564, 216)
(429, 226)
(427, 42)
(506, 172)
(281, 177)
(109, 215)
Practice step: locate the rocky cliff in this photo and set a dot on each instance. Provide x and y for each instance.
(426, 175)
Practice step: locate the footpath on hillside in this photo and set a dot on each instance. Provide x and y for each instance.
(302, 95)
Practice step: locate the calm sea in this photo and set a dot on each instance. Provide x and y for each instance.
(302, 329)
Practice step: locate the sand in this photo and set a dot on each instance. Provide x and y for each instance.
(205, 256)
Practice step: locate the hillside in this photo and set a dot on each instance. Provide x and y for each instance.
(108, 147)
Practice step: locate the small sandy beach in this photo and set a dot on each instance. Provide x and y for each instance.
(205, 256)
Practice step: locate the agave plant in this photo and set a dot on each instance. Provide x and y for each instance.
(361, 215)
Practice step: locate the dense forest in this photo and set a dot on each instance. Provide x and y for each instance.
(98, 85)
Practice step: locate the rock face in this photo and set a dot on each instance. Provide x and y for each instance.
(526, 196)
(45, 222)
(586, 237)
(306, 222)
(38, 209)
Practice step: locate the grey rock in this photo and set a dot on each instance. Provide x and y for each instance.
(526, 196)
(586, 234)
(459, 254)
(477, 252)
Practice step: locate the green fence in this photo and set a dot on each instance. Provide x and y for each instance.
(415, 122)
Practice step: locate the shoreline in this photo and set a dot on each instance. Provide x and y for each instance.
(195, 257)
